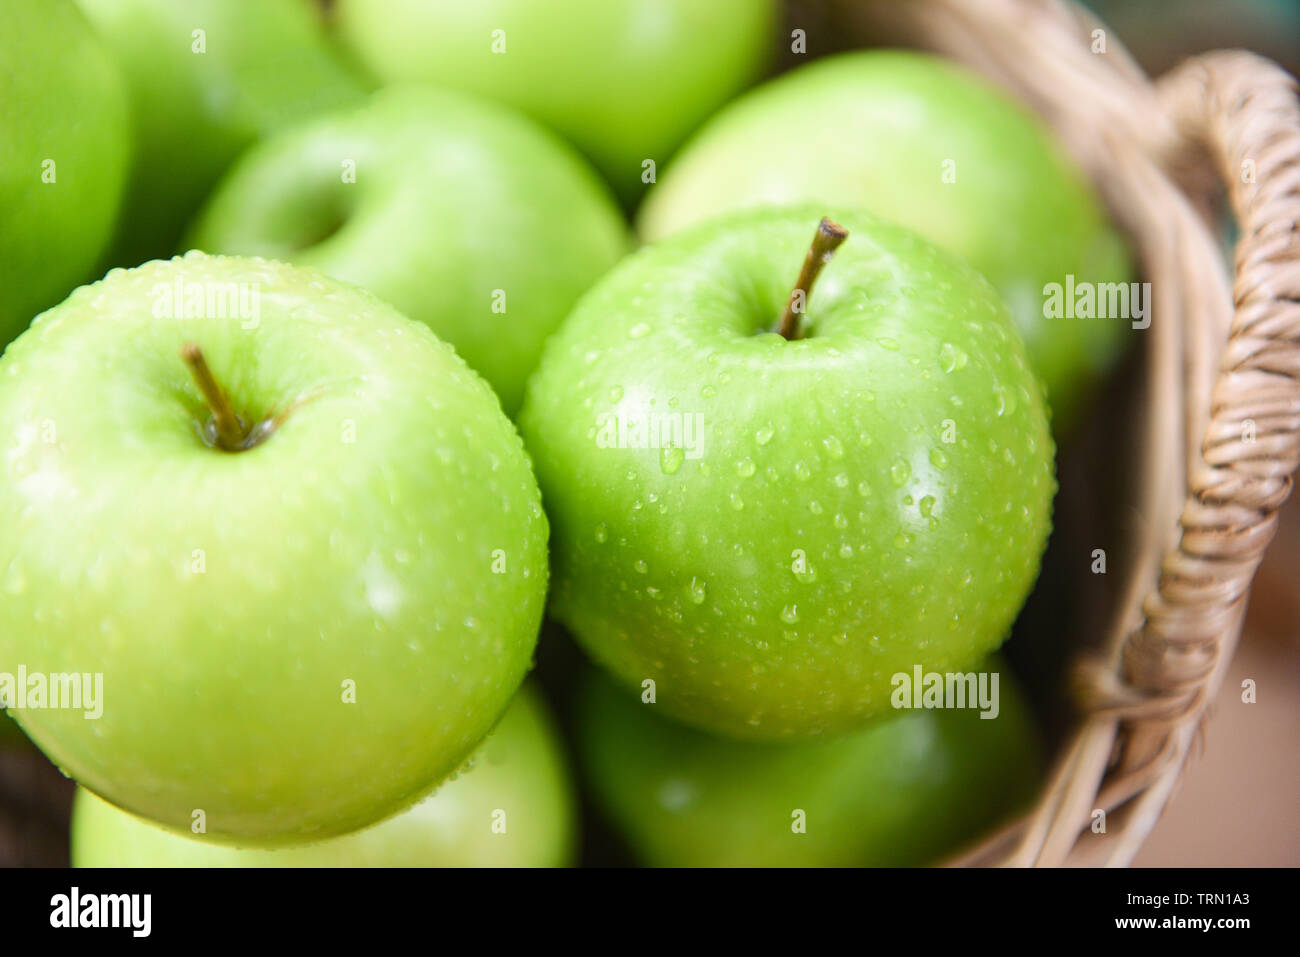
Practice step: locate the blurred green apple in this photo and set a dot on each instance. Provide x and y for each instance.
(284, 536)
(933, 147)
(625, 80)
(511, 806)
(460, 212)
(770, 528)
(902, 792)
(207, 78)
(64, 147)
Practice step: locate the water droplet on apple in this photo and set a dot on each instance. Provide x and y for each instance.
(745, 467)
(639, 331)
(801, 471)
(696, 591)
(888, 342)
(790, 614)
(640, 566)
(671, 459)
(737, 502)
(834, 448)
(602, 533)
(900, 472)
(763, 435)
(616, 394)
(938, 458)
(951, 358)
(708, 392)
(927, 505)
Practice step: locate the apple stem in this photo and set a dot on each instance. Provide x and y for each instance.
(826, 240)
(231, 436)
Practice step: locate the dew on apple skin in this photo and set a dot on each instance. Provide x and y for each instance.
(639, 331)
(616, 394)
(952, 358)
(888, 342)
(846, 551)
(840, 520)
(696, 591)
(834, 447)
(640, 566)
(815, 507)
(737, 502)
(745, 468)
(938, 458)
(764, 435)
(801, 471)
(670, 459)
(708, 392)
(806, 574)
(927, 505)
(900, 472)
(790, 614)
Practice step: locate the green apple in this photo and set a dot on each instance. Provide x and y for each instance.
(462, 213)
(901, 792)
(511, 806)
(64, 145)
(207, 78)
(625, 80)
(770, 528)
(931, 146)
(284, 534)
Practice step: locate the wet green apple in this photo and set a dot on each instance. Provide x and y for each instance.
(625, 80)
(902, 792)
(287, 526)
(511, 806)
(64, 144)
(206, 78)
(769, 528)
(932, 146)
(462, 213)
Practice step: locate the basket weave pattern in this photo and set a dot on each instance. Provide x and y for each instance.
(1221, 416)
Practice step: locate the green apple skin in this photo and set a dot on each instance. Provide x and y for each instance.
(264, 65)
(624, 80)
(463, 214)
(821, 534)
(385, 543)
(881, 130)
(64, 147)
(902, 792)
(517, 778)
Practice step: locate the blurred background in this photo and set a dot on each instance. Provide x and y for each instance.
(1237, 804)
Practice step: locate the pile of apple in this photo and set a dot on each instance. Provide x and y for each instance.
(376, 379)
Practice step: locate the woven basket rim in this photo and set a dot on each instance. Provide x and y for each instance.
(1222, 425)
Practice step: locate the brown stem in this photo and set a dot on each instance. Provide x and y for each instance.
(828, 238)
(231, 435)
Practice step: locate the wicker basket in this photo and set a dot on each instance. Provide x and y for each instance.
(1221, 418)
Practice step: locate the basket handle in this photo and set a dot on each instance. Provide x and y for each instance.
(1240, 111)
